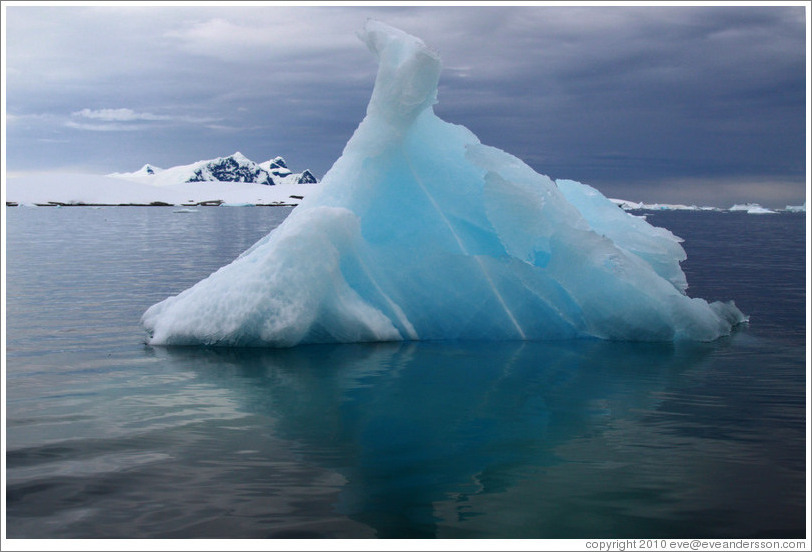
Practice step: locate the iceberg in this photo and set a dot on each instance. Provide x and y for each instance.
(752, 209)
(421, 232)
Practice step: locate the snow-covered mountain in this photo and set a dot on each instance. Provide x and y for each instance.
(230, 180)
(281, 174)
(146, 170)
(232, 168)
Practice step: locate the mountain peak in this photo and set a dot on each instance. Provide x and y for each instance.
(231, 168)
(234, 168)
(147, 169)
(278, 162)
(306, 177)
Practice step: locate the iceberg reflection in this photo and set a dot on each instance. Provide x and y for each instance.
(428, 435)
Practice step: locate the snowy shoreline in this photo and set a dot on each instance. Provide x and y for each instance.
(172, 188)
(215, 203)
(232, 180)
(294, 200)
(61, 189)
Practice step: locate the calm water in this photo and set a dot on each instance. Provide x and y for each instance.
(107, 437)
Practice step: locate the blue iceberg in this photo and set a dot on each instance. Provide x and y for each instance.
(421, 232)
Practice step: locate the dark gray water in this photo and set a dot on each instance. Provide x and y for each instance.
(107, 437)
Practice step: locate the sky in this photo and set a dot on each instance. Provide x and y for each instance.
(696, 104)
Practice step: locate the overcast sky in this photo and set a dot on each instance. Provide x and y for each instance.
(694, 104)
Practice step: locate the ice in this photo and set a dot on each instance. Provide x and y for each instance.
(640, 206)
(752, 209)
(419, 231)
(657, 246)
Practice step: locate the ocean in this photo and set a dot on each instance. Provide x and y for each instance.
(110, 438)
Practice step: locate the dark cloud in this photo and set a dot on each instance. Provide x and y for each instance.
(648, 103)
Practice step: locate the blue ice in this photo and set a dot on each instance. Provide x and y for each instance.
(421, 232)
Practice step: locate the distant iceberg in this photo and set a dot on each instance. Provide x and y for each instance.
(627, 205)
(419, 231)
(752, 209)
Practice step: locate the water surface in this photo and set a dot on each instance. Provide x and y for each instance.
(108, 437)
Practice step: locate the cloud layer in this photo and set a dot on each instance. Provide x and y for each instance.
(629, 99)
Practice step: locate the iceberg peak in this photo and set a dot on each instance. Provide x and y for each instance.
(408, 73)
(419, 231)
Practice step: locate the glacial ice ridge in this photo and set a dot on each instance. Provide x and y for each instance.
(421, 232)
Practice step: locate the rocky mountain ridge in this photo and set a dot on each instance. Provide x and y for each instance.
(232, 168)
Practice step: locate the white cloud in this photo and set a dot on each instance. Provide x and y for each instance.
(126, 119)
(108, 127)
(121, 114)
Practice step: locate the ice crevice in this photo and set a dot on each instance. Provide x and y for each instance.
(408, 328)
(464, 250)
(419, 231)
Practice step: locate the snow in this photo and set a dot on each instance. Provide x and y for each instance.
(146, 170)
(419, 231)
(237, 166)
(45, 187)
(214, 180)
